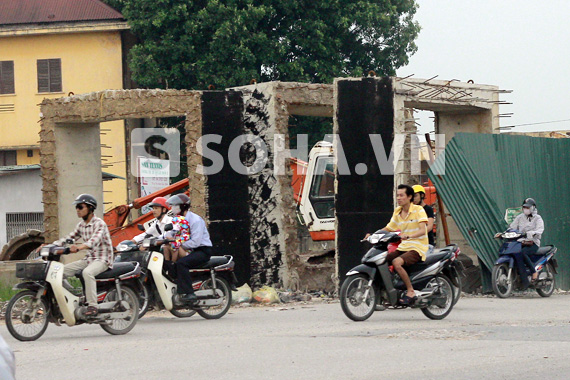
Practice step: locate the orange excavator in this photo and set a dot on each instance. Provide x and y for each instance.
(116, 217)
(20, 247)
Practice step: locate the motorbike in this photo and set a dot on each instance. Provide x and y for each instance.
(374, 281)
(45, 297)
(212, 282)
(505, 277)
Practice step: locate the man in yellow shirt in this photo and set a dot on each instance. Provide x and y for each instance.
(412, 221)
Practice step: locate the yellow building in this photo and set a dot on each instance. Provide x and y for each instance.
(49, 49)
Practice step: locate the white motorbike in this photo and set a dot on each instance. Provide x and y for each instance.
(212, 283)
(46, 297)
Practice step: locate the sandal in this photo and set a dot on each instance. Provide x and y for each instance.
(406, 300)
(91, 311)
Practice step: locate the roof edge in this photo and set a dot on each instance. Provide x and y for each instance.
(62, 27)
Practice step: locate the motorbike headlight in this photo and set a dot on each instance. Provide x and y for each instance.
(44, 252)
(511, 235)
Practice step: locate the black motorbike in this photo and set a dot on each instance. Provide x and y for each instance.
(375, 282)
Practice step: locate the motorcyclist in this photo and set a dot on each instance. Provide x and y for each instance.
(531, 225)
(197, 249)
(411, 220)
(419, 196)
(97, 242)
(181, 229)
(156, 229)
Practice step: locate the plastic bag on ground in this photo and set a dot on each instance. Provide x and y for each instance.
(266, 294)
(242, 295)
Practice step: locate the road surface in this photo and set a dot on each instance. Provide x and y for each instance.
(483, 338)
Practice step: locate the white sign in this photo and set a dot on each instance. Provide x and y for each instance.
(154, 175)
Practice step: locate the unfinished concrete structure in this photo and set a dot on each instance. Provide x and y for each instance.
(71, 154)
(274, 230)
(365, 106)
(255, 215)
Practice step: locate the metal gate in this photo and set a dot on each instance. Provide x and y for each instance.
(19, 222)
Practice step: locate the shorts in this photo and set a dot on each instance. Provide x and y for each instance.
(410, 257)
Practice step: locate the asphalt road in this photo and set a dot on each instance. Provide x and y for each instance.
(483, 338)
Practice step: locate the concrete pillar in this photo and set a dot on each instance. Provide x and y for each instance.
(78, 164)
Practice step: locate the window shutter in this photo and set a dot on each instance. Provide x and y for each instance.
(7, 77)
(55, 75)
(43, 75)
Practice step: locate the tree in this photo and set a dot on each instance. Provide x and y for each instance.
(190, 44)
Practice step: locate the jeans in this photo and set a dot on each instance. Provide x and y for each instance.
(89, 273)
(197, 257)
(523, 261)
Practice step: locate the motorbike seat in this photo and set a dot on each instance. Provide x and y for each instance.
(118, 269)
(431, 259)
(214, 262)
(544, 250)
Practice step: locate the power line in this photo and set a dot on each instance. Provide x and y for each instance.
(543, 122)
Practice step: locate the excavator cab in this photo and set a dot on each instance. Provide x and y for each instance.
(316, 201)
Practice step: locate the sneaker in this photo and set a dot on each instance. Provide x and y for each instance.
(189, 298)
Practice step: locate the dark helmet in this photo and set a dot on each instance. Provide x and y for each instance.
(184, 198)
(87, 199)
(175, 200)
(529, 202)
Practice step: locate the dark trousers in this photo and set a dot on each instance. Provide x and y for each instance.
(197, 257)
(523, 262)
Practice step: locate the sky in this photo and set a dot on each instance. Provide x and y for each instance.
(521, 45)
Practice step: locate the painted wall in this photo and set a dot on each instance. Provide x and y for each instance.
(20, 192)
(89, 62)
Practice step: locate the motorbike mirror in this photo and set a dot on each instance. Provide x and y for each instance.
(168, 227)
(140, 227)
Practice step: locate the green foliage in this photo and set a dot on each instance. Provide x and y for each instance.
(192, 44)
(6, 291)
(315, 127)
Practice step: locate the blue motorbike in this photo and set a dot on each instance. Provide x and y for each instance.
(505, 277)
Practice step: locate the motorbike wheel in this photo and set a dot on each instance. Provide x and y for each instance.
(548, 289)
(124, 325)
(447, 290)
(351, 298)
(144, 299)
(23, 322)
(216, 312)
(502, 281)
(457, 290)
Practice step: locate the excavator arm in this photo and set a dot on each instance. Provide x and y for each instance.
(116, 217)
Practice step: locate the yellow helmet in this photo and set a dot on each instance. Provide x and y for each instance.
(419, 189)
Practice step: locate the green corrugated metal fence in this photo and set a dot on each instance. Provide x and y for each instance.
(486, 174)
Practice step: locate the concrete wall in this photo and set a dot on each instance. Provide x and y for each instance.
(20, 192)
(66, 119)
(76, 172)
(274, 238)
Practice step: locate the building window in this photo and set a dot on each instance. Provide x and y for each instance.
(18, 223)
(49, 75)
(7, 77)
(30, 153)
(7, 157)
